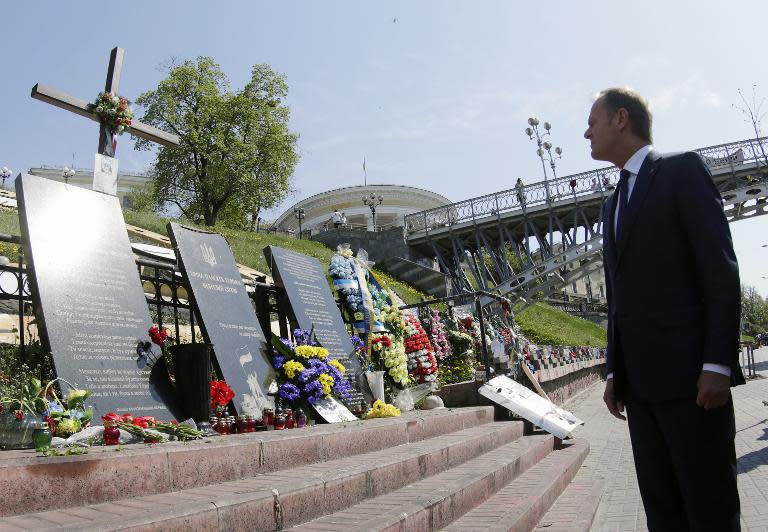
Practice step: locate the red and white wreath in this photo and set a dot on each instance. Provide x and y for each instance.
(421, 359)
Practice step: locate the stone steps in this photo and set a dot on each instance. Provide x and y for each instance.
(104, 475)
(422, 471)
(435, 502)
(520, 505)
(574, 510)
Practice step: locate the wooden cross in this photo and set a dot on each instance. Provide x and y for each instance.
(88, 110)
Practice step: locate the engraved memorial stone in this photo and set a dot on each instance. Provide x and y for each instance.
(304, 281)
(89, 301)
(227, 317)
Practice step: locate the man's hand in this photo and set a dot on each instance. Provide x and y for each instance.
(714, 390)
(614, 407)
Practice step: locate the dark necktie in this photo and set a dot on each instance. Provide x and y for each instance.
(623, 200)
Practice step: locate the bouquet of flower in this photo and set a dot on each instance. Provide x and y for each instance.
(421, 360)
(24, 397)
(438, 335)
(382, 409)
(221, 395)
(342, 271)
(113, 111)
(306, 369)
(393, 320)
(389, 354)
(138, 425)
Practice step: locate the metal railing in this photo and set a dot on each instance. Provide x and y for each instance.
(602, 180)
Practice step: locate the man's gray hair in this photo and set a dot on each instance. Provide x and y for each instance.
(640, 118)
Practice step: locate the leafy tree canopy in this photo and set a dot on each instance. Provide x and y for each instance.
(236, 154)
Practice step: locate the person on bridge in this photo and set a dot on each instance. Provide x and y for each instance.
(672, 345)
(520, 188)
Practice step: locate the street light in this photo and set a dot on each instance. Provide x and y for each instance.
(67, 173)
(299, 214)
(5, 173)
(372, 201)
(544, 149)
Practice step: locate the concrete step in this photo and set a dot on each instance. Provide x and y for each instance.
(435, 502)
(283, 498)
(31, 484)
(574, 510)
(520, 505)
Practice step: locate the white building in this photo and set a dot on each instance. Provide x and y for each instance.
(397, 201)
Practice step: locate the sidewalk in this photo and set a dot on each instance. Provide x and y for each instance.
(610, 458)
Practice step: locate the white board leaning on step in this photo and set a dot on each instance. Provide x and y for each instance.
(530, 406)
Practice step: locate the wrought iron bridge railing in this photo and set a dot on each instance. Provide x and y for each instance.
(719, 158)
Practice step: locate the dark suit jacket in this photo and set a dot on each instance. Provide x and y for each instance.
(672, 280)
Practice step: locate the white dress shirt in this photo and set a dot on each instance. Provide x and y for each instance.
(633, 165)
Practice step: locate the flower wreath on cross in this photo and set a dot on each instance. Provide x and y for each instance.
(113, 111)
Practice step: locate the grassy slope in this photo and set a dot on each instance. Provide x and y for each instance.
(546, 325)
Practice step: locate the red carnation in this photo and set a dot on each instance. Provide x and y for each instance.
(158, 335)
(221, 394)
(19, 415)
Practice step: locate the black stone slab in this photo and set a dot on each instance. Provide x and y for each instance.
(89, 300)
(305, 283)
(227, 317)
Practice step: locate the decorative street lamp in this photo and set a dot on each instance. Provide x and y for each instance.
(299, 214)
(544, 147)
(372, 201)
(5, 173)
(67, 173)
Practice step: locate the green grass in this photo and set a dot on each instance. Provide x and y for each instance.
(9, 225)
(543, 324)
(747, 338)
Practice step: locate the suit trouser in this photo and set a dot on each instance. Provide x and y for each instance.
(685, 460)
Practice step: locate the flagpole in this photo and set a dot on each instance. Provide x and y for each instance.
(365, 174)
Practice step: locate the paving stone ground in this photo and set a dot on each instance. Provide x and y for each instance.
(610, 458)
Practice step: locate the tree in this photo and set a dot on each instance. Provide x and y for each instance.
(754, 311)
(753, 114)
(236, 154)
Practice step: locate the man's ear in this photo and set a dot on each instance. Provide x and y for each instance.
(621, 118)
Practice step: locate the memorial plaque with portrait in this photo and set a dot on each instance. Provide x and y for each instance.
(90, 305)
(227, 317)
(305, 283)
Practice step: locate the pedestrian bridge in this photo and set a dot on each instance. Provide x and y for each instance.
(532, 240)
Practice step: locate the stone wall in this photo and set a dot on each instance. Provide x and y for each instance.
(560, 383)
(380, 245)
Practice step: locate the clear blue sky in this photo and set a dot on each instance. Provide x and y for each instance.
(432, 93)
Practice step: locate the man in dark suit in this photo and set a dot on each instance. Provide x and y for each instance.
(673, 324)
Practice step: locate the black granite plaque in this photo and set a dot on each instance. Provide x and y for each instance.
(304, 281)
(89, 300)
(227, 317)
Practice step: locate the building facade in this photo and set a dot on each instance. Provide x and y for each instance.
(397, 201)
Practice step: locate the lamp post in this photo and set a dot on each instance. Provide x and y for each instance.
(67, 173)
(544, 149)
(5, 173)
(299, 214)
(372, 202)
